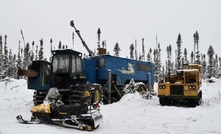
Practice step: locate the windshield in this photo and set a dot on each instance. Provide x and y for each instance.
(190, 77)
(53, 94)
(76, 64)
(60, 63)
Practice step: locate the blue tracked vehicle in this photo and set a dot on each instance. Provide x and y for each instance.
(103, 75)
(122, 71)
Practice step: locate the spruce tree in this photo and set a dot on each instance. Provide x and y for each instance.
(169, 51)
(18, 62)
(220, 62)
(204, 64)
(116, 50)
(51, 41)
(143, 50)
(192, 57)
(12, 68)
(210, 67)
(219, 74)
(197, 49)
(5, 59)
(41, 53)
(216, 66)
(132, 51)
(148, 57)
(32, 51)
(1, 57)
(36, 53)
(157, 63)
(185, 56)
(59, 45)
(178, 42)
(136, 55)
(22, 57)
(26, 60)
(98, 38)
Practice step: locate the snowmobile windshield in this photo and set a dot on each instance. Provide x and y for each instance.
(52, 95)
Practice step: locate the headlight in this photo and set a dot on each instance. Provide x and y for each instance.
(162, 86)
(192, 87)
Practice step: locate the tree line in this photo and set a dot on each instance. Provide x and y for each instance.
(34, 51)
(211, 67)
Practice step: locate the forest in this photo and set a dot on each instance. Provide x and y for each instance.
(210, 61)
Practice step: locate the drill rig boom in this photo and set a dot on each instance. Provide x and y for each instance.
(83, 42)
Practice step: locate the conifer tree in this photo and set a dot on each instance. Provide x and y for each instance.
(178, 42)
(192, 57)
(98, 38)
(204, 64)
(18, 62)
(210, 67)
(5, 59)
(216, 66)
(26, 60)
(136, 56)
(41, 53)
(116, 50)
(36, 53)
(22, 57)
(220, 62)
(169, 51)
(143, 51)
(32, 51)
(149, 56)
(157, 63)
(132, 51)
(12, 68)
(1, 57)
(10, 58)
(196, 48)
(219, 74)
(59, 45)
(185, 56)
(51, 41)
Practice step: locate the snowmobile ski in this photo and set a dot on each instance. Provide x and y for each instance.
(23, 121)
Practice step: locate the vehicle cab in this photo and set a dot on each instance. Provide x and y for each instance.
(67, 68)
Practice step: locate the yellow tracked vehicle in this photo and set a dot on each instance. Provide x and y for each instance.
(182, 87)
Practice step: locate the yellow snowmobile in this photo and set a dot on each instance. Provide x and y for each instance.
(83, 115)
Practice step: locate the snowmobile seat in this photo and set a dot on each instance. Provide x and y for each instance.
(77, 108)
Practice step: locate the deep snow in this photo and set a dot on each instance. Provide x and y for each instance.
(132, 114)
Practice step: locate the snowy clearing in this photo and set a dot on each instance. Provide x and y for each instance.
(132, 114)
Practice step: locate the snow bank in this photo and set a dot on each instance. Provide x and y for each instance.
(14, 93)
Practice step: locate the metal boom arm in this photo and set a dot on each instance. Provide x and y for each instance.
(83, 42)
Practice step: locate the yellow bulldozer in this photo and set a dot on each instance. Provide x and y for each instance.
(183, 87)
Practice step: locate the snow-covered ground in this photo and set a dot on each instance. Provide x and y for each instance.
(132, 114)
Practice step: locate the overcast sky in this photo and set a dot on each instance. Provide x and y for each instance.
(122, 21)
